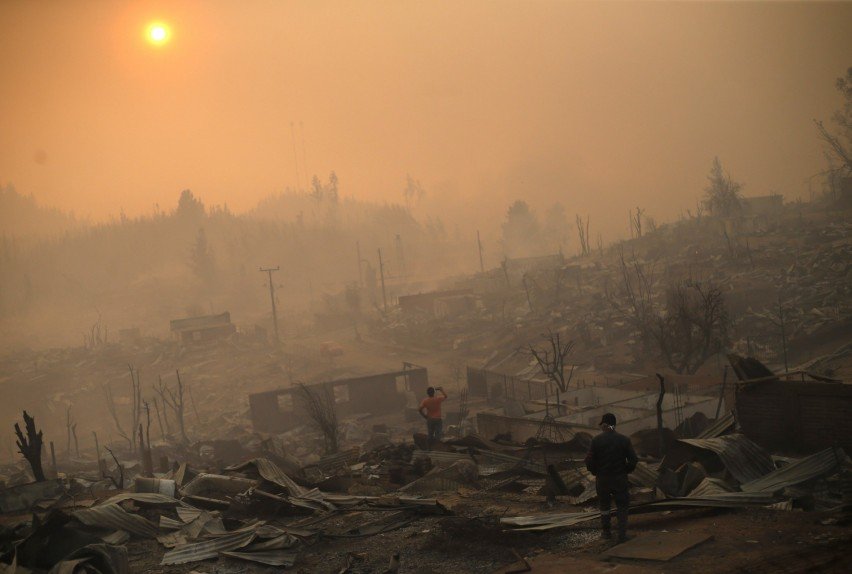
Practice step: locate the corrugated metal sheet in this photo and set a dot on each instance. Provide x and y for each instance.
(722, 425)
(439, 456)
(208, 548)
(644, 475)
(494, 468)
(549, 521)
(113, 517)
(430, 483)
(797, 472)
(152, 498)
(722, 500)
(269, 557)
(270, 472)
(284, 541)
(492, 457)
(188, 513)
(711, 486)
(167, 523)
(335, 461)
(744, 459)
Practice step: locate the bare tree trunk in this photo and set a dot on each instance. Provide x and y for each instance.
(119, 484)
(322, 411)
(159, 419)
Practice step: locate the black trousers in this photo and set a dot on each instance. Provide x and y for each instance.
(609, 488)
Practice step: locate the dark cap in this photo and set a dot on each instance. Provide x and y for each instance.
(608, 419)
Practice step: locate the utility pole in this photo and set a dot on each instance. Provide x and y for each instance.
(479, 243)
(269, 271)
(382, 274)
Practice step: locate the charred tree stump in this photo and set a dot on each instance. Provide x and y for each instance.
(30, 446)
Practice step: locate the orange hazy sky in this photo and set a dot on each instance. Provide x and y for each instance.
(596, 105)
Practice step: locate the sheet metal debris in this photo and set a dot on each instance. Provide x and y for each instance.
(112, 517)
(208, 548)
(803, 470)
(744, 460)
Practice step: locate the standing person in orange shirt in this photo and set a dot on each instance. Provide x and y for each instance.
(430, 409)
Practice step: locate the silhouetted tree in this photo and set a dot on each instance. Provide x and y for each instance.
(839, 146)
(722, 194)
(413, 191)
(189, 206)
(201, 258)
(693, 327)
(521, 230)
(317, 189)
(332, 187)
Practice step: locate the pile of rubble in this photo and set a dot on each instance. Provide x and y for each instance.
(270, 509)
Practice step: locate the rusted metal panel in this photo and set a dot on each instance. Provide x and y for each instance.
(796, 416)
(384, 393)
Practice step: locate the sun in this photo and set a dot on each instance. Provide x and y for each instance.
(158, 33)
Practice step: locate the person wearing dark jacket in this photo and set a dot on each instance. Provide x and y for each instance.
(610, 459)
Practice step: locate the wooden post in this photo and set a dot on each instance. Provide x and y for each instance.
(269, 271)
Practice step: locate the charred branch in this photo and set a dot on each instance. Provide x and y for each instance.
(30, 446)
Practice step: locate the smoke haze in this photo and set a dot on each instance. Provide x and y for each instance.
(588, 104)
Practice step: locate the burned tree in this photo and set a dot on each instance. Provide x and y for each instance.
(71, 431)
(145, 444)
(114, 414)
(174, 400)
(201, 259)
(521, 230)
(687, 327)
(551, 360)
(97, 336)
(583, 234)
(693, 326)
(635, 299)
(722, 194)
(837, 145)
(135, 406)
(30, 446)
(117, 482)
(322, 412)
(636, 223)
